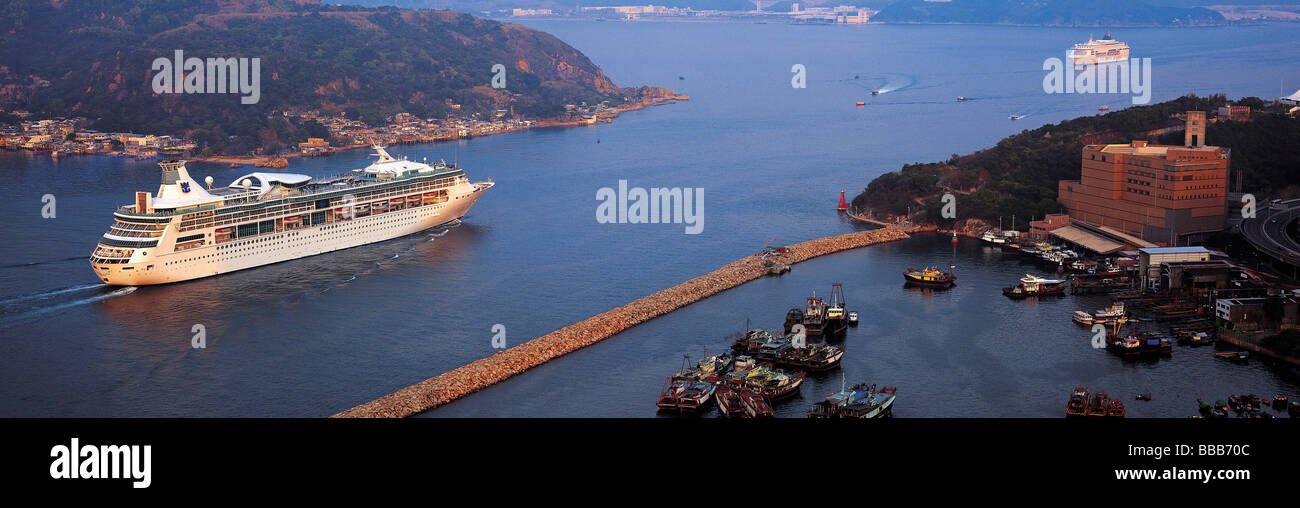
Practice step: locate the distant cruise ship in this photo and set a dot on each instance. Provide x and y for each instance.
(1105, 50)
(188, 232)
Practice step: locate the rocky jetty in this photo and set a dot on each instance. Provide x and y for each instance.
(449, 386)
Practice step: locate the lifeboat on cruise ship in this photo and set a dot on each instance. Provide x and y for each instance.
(397, 201)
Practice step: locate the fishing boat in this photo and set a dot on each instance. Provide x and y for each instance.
(837, 319)
(756, 405)
(685, 394)
(769, 382)
(1279, 401)
(929, 277)
(1114, 311)
(1077, 407)
(793, 317)
(1195, 339)
(730, 403)
(859, 401)
(1082, 318)
(814, 316)
(1031, 286)
(1233, 356)
(1128, 346)
(1116, 409)
(811, 357)
(1099, 407)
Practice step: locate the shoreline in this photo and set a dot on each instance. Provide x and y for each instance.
(484, 372)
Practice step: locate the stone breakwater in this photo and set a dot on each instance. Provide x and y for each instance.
(449, 386)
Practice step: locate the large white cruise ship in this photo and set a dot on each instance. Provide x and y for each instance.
(1105, 50)
(187, 231)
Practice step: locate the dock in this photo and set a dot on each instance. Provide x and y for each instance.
(480, 374)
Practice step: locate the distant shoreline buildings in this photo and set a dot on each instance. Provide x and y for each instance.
(840, 14)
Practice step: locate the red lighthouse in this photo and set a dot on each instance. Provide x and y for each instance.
(844, 205)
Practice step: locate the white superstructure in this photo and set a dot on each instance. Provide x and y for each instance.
(1104, 50)
(187, 230)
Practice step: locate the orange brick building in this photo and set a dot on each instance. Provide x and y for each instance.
(1156, 192)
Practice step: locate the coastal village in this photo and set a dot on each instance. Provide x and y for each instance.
(60, 137)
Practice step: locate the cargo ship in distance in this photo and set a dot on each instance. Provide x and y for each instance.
(187, 231)
(1105, 50)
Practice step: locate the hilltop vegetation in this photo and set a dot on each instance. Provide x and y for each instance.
(1019, 175)
(93, 58)
(1047, 12)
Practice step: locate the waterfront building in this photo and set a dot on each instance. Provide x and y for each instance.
(1039, 229)
(1159, 193)
(1150, 259)
(1261, 313)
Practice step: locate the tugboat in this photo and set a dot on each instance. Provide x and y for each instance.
(1077, 407)
(929, 277)
(836, 321)
(859, 401)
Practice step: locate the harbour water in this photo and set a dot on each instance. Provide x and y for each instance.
(315, 336)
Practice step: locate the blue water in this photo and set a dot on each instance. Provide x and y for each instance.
(315, 336)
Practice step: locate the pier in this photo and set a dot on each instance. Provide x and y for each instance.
(480, 374)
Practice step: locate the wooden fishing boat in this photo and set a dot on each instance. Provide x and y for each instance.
(793, 317)
(929, 277)
(859, 401)
(1099, 407)
(1077, 407)
(1116, 409)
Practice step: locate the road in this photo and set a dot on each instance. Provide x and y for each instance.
(1267, 232)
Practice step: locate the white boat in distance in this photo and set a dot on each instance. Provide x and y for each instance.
(1104, 50)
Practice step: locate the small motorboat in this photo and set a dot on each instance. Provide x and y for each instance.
(875, 91)
(853, 318)
(1104, 108)
(961, 98)
(1233, 356)
(1015, 116)
(1144, 396)
(861, 103)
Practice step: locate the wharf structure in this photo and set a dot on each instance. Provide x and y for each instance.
(1157, 193)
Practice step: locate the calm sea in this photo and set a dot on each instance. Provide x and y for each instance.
(315, 336)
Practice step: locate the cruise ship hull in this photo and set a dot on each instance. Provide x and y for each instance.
(285, 246)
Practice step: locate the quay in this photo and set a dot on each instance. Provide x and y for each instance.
(480, 374)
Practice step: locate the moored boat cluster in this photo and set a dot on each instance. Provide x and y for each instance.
(449, 386)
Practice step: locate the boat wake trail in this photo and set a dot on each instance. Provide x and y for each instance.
(48, 294)
(38, 310)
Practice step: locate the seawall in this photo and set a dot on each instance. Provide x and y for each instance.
(479, 374)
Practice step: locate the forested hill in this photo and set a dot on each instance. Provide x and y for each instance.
(1019, 175)
(1048, 12)
(93, 58)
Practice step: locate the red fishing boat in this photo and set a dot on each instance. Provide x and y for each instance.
(1100, 405)
(1077, 407)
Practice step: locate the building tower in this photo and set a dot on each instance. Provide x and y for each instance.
(1194, 136)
